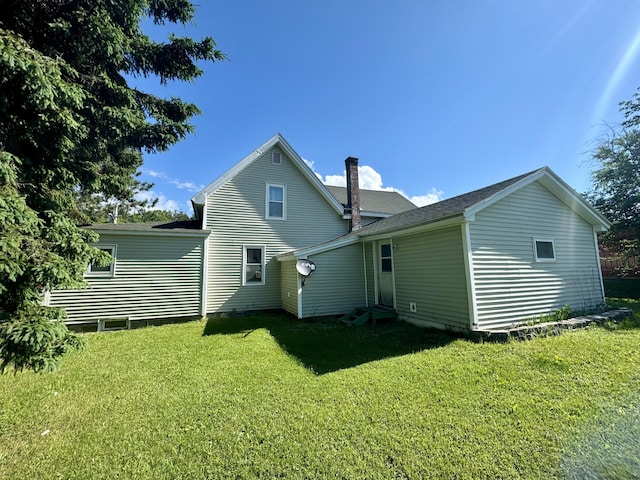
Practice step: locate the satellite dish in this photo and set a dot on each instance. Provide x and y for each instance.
(305, 268)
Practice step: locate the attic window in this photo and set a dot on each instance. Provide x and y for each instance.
(107, 270)
(276, 158)
(544, 250)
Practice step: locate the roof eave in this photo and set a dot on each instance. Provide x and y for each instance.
(442, 222)
(556, 186)
(155, 233)
(316, 249)
(201, 197)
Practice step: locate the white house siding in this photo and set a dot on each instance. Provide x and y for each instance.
(510, 285)
(235, 213)
(429, 271)
(155, 277)
(289, 286)
(337, 285)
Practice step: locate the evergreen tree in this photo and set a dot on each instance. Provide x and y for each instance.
(70, 128)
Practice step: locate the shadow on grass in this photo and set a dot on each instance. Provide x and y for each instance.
(324, 345)
(628, 323)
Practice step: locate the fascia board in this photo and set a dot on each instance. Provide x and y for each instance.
(286, 257)
(153, 233)
(575, 201)
(366, 213)
(400, 232)
(557, 187)
(200, 197)
(310, 176)
(469, 213)
(314, 250)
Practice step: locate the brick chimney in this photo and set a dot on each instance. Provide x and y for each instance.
(353, 193)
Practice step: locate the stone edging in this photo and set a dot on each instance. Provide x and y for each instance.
(528, 332)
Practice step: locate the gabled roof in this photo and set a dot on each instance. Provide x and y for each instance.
(464, 208)
(199, 199)
(467, 205)
(375, 202)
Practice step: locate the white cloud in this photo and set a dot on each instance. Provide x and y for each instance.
(335, 180)
(163, 202)
(188, 186)
(153, 173)
(310, 165)
(433, 196)
(370, 179)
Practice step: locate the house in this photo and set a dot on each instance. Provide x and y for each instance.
(497, 256)
(503, 254)
(157, 273)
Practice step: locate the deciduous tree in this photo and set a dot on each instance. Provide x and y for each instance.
(616, 184)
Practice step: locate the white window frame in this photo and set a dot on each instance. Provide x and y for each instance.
(112, 249)
(284, 202)
(245, 264)
(276, 158)
(535, 250)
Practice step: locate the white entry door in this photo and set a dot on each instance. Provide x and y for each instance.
(385, 273)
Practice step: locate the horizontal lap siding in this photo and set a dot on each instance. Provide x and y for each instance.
(429, 270)
(235, 214)
(289, 290)
(337, 285)
(510, 286)
(155, 277)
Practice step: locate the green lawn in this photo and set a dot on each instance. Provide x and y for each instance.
(271, 397)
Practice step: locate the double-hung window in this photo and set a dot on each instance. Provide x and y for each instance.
(276, 202)
(253, 265)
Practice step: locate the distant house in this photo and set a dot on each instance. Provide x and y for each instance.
(493, 257)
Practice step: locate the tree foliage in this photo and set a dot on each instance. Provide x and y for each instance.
(71, 127)
(96, 208)
(616, 185)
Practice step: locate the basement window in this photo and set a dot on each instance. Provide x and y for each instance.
(276, 196)
(253, 265)
(107, 270)
(544, 250)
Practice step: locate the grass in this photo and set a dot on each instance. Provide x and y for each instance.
(271, 397)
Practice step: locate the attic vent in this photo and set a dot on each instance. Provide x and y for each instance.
(276, 158)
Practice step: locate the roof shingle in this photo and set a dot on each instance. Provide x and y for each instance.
(437, 211)
(378, 201)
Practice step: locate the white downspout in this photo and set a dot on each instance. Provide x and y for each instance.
(468, 270)
(595, 242)
(364, 264)
(299, 285)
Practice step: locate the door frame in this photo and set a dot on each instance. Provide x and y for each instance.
(378, 264)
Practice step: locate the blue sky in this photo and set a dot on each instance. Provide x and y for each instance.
(436, 98)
